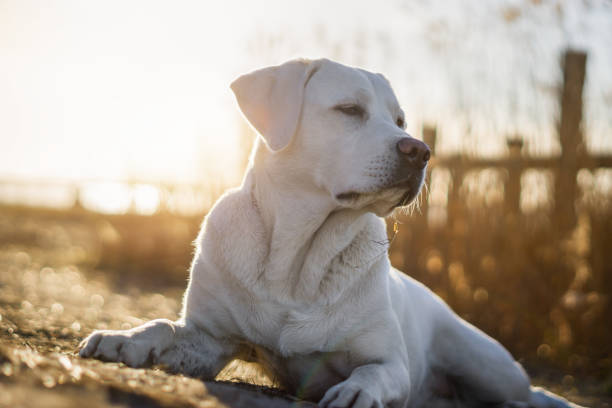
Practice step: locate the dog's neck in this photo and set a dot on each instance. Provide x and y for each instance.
(293, 217)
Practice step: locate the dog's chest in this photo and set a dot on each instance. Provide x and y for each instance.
(327, 321)
(309, 327)
(310, 330)
(292, 331)
(313, 308)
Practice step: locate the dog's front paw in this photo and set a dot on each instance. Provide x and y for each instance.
(348, 394)
(137, 347)
(116, 346)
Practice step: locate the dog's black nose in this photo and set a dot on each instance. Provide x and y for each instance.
(415, 152)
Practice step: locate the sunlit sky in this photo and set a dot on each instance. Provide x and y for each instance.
(112, 90)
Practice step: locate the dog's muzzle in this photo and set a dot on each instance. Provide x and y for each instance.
(413, 158)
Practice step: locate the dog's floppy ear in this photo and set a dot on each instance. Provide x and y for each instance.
(271, 99)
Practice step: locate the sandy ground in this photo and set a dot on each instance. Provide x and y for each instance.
(50, 299)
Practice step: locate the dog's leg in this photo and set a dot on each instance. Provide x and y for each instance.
(370, 386)
(482, 367)
(179, 346)
(485, 369)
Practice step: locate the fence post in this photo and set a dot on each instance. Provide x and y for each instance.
(512, 193)
(570, 137)
(78, 198)
(165, 195)
(430, 133)
(429, 137)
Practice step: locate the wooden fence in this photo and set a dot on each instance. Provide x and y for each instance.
(565, 166)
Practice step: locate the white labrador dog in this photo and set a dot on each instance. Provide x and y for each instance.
(291, 268)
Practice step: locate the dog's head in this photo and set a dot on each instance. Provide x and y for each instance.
(336, 128)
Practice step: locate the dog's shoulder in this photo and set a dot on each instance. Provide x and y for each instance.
(234, 209)
(233, 234)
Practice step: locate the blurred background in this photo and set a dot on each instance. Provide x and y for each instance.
(118, 132)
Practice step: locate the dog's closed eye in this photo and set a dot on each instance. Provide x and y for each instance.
(351, 110)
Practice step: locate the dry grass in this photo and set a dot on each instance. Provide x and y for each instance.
(58, 283)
